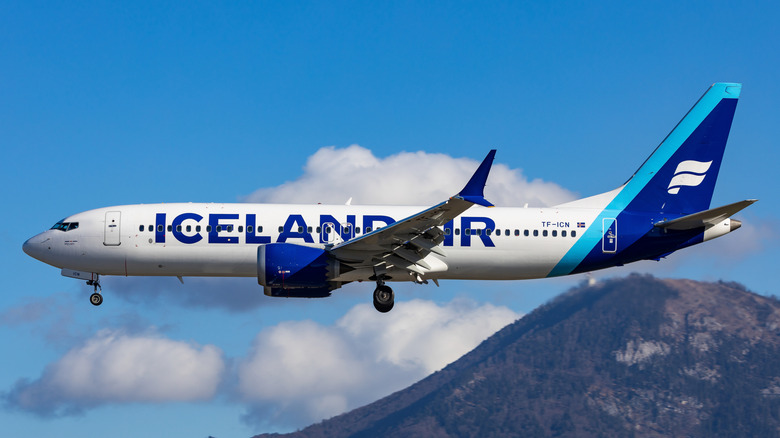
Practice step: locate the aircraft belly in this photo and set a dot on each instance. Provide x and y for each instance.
(497, 264)
(232, 261)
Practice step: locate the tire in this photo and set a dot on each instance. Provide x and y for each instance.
(96, 299)
(384, 299)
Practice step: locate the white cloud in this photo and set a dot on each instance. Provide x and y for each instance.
(333, 175)
(52, 317)
(301, 372)
(295, 373)
(113, 367)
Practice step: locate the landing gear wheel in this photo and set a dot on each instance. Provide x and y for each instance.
(384, 299)
(96, 299)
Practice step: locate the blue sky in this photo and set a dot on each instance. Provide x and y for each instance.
(104, 104)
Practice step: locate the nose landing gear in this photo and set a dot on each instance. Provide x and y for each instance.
(96, 298)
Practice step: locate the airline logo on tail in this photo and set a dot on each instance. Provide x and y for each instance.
(689, 173)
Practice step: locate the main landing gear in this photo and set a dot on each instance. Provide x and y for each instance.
(96, 298)
(384, 298)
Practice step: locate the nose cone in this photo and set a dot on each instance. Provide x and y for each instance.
(36, 247)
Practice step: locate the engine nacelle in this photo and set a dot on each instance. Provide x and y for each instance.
(286, 269)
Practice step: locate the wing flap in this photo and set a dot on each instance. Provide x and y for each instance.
(411, 256)
(429, 245)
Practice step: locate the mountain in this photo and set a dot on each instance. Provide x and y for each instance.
(634, 357)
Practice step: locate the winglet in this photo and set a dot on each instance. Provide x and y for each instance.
(475, 188)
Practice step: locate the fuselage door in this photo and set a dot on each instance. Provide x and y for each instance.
(609, 235)
(112, 230)
(329, 234)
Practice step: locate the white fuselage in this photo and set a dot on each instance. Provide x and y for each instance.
(191, 239)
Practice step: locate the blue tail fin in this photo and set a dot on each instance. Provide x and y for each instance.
(679, 177)
(677, 180)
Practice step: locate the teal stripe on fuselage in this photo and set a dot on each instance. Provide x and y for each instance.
(639, 180)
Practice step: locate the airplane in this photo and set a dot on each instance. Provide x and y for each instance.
(311, 250)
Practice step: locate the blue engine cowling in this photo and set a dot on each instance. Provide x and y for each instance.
(286, 269)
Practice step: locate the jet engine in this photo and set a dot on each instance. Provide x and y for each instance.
(290, 270)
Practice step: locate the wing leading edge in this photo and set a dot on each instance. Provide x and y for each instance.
(406, 243)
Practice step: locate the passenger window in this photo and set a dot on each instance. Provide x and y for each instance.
(300, 229)
(308, 229)
(141, 228)
(563, 233)
(498, 232)
(219, 228)
(517, 233)
(197, 228)
(249, 229)
(259, 228)
(573, 233)
(319, 230)
(240, 228)
(159, 228)
(357, 230)
(189, 228)
(368, 229)
(467, 231)
(170, 228)
(178, 228)
(281, 229)
(479, 231)
(536, 233)
(525, 233)
(447, 231)
(555, 233)
(150, 228)
(208, 228)
(544, 233)
(506, 232)
(457, 231)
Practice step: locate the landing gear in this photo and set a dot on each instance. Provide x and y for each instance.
(96, 298)
(383, 297)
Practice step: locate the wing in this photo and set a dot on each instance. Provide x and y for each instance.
(403, 246)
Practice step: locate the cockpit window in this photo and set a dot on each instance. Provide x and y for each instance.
(65, 226)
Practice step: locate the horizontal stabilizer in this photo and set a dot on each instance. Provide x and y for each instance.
(704, 218)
